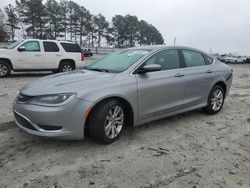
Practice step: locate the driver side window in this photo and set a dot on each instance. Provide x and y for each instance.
(32, 46)
(168, 59)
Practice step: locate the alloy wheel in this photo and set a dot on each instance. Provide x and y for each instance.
(114, 122)
(67, 68)
(217, 100)
(3, 70)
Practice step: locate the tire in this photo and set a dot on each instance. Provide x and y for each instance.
(215, 100)
(103, 128)
(5, 69)
(66, 66)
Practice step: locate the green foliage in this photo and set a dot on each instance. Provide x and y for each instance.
(12, 20)
(3, 33)
(128, 30)
(54, 16)
(33, 14)
(101, 27)
(68, 20)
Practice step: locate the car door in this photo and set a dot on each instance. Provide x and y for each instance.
(52, 55)
(29, 56)
(162, 91)
(199, 76)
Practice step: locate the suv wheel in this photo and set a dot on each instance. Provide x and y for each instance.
(107, 121)
(5, 69)
(66, 66)
(215, 100)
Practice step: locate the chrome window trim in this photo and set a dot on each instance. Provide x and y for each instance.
(132, 72)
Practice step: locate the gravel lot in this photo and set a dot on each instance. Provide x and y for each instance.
(187, 150)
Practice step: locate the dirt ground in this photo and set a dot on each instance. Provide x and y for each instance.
(190, 150)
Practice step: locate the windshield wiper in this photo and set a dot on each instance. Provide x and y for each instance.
(96, 69)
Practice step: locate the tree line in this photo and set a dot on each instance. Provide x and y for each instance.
(67, 20)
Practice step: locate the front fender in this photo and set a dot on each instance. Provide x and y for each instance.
(125, 89)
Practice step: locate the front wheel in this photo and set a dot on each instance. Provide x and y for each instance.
(106, 122)
(215, 100)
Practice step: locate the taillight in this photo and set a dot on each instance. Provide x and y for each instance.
(82, 56)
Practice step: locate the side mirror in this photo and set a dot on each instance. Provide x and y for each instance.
(150, 68)
(21, 48)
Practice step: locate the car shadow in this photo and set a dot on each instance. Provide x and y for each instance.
(129, 134)
(29, 74)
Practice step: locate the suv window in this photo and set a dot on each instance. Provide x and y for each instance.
(193, 59)
(70, 47)
(50, 47)
(32, 46)
(168, 59)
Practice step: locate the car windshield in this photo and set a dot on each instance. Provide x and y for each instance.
(13, 45)
(118, 61)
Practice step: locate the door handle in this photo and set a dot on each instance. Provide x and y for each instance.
(58, 55)
(179, 75)
(209, 71)
(38, 55)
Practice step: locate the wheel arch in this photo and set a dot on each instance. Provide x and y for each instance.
(7, 61)
(68, 61)
(128, 107)
(223, 85)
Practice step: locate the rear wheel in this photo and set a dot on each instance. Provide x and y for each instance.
(107, 121)
(5, 69)
(66, 66)
(215, 100)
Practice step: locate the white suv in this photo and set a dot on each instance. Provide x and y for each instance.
(40, 55)
(241, 59)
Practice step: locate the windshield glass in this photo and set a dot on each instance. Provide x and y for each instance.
(13, 45)
(117, 62)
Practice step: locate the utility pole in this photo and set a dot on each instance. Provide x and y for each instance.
(174, 41)
(211, 51)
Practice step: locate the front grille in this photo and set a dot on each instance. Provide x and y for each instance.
(50, 128)
(23, 122)
(23, 98)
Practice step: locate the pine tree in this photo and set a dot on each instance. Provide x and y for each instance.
(3, 33)
(12, 21)
(101, 27)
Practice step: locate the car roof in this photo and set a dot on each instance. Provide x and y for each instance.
(162, 47)
(50, 40)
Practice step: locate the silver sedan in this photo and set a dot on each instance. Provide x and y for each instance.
(130, 87)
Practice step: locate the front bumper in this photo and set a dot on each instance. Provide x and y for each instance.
(64, 122)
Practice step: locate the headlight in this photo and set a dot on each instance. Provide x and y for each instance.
(52, 100)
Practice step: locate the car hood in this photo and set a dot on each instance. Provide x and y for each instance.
(74, 81)
(4, 50)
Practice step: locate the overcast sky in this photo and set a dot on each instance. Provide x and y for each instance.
(220, 25)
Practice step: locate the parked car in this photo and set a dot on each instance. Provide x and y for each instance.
(248, 60)
(241, 59)
(40, 55)
(231, 59)
(221, 58)
(87, 53)
(130, 87)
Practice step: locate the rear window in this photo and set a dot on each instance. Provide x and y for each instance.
(70, 47)
(193, 59)
(50, 47)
